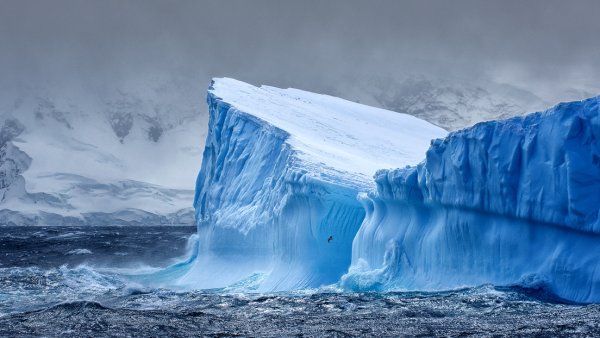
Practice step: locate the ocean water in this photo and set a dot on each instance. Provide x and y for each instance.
(79, 282)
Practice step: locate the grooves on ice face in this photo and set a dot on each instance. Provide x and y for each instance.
(504, 202)
(276, 194)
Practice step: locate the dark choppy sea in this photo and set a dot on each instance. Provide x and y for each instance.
(62, 282)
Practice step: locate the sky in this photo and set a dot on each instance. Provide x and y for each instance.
(546, 46)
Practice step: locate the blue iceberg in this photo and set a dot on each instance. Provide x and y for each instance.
(513, 202)
(276, 195)
(286, 199)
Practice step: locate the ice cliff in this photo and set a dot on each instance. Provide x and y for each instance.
(286, 197)
(504, 202)
(276, 195)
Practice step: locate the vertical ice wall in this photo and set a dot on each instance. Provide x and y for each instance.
(503, 202)
(276, 195)
(260, 214)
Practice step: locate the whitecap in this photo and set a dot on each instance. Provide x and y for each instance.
(80, 252)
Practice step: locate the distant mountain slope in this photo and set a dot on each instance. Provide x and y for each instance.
(450, 104)
(122, 158)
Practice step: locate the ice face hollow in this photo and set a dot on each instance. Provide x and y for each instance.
(504, 202)
(276, 195)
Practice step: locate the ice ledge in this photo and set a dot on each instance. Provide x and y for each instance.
(334, 139)
(511, 202)
(543, 167)
(276, 194)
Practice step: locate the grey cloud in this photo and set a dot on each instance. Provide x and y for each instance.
(308, 44)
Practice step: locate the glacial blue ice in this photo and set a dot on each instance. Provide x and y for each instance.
(298, 190)
(280, 174)
(512, 202)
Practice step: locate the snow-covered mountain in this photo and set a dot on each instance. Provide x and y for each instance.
(118, 157)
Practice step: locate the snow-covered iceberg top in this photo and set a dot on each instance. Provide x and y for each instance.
(276, 195)
(331, 136)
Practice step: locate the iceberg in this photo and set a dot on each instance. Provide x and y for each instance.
(513, 202)
(276, 194)
(301, 190)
